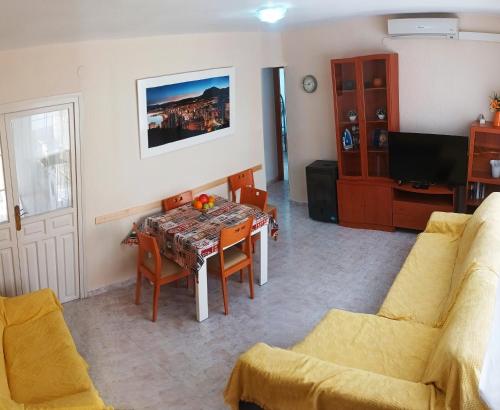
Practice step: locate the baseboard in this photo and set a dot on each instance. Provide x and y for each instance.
(108, 288)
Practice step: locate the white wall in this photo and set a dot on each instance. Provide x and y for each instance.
(443, 84)
(114, 177)
(269, 125)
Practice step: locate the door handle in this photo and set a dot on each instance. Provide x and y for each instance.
(17, 215)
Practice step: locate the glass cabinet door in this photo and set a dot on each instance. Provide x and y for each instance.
(348, 118)
(376, 103)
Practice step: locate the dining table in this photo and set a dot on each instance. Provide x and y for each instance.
(190, 236)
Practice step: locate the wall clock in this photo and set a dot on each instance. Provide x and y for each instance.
(309, 83)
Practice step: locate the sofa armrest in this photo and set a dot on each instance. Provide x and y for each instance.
(447, 223)
(275, 378)
(32, 306)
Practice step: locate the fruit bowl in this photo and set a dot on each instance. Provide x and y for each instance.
(203, 202)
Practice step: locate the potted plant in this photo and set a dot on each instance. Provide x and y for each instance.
(380, 113)
(353, 115)
(495, 107)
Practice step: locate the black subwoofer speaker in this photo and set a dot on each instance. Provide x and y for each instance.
(322, 190)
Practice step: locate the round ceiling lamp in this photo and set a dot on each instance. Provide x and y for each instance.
(271, 14)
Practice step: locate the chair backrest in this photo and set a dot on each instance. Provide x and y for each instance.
(253, 196)
(233, 234)
(148, 248)
(239, 180)
(177, 200)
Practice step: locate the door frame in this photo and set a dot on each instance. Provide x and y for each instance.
(277, 121)
(76, 100)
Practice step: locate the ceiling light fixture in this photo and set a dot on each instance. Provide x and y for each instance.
(271, 14)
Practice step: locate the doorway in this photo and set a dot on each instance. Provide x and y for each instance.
(275, 124)
(40, 238)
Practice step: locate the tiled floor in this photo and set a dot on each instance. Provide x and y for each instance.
(178, 363)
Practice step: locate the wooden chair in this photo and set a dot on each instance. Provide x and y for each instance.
(255, 198)
(232, 259)
(177, 200)
(239, 180)
(156, 268)
(245, 179)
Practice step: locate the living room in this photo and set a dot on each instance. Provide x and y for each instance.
(121, 120)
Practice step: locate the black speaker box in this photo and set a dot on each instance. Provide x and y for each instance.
(322, 190)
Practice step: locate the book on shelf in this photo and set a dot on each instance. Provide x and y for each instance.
(477, 191)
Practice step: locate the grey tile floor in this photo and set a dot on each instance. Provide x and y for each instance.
(178, 363)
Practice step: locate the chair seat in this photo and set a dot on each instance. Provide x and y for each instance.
(232, 256)
(168, 267)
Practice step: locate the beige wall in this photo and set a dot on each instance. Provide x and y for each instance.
(114, 177)
(443, 84)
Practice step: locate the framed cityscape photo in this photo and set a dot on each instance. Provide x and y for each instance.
(180, 110)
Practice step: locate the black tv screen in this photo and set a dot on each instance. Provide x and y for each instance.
(428, 158)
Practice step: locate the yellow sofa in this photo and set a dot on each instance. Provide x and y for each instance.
(40, 366)
(423, 350)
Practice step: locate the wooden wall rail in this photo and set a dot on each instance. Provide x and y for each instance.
(140, 209)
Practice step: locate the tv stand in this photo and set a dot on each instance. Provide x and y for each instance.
(412, 206)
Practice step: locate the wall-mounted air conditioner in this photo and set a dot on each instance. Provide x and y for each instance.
(423, 27)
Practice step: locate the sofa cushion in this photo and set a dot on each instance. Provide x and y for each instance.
(448, 223)
(278, 379)
(42, 361)
(87, 400)
(392, 348)
(29, 307)
(456, 361)
(422, 286)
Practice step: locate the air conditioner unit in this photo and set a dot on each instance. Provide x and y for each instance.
(423, 27)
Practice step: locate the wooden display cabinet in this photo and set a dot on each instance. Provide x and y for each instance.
(364, 85)
(484, 145)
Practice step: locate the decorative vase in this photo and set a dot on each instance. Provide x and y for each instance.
(495, 168)
(496, 119)
(377, 82)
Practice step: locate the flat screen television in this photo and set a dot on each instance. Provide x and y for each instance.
(428, 158)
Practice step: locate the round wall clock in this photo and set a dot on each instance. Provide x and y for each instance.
(309, 83)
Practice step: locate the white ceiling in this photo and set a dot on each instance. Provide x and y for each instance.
(33, 22)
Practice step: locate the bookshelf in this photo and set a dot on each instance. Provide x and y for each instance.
(365, 85)
(484, 145)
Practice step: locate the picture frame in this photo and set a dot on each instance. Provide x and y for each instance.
(177, 111)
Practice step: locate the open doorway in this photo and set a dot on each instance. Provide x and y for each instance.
(274, 124)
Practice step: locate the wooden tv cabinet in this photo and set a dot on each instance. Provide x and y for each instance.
(412, 207)
(385, 205)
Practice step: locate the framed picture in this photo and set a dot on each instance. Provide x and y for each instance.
(180, 110)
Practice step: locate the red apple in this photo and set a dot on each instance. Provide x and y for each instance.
(203, 198)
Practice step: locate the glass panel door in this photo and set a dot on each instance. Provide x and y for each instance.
(375, 98)
(348, 121)
(42, 159)
(43, 163)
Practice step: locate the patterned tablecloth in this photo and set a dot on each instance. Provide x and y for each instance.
(187, 235)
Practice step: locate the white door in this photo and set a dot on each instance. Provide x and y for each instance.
(43, 205)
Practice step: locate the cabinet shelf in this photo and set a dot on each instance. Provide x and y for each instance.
(375, 88)
(484, 145)
(485, 179)
(340, 92)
